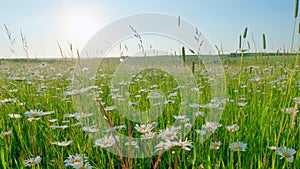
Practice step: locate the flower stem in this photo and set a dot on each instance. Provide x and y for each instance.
(113, 134)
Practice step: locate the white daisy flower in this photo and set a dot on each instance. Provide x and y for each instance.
(14, 116)
(32, 161)
(199, 113)
(296, 99)
(273, 148)
(105, 142)
(232, 128)
(185, 145)
(211, 105)
(201, 132)
(109, 108)
(82, 115)
(90, 129)
(286, 153)
(143, 128)
(215, 145)
(33, 113)
(173, 94)
(195, 105)
(290, 110)
(5, 133)
(211, 126)
(169, 133)
(188, 125)
(76, 159)
(82, 165)
(33, 119)
(164, 145)
(241, 104)
(121, 127)
(9, 100)
(238, 146)
(59, 127)
(69, 115)
(52, 120)
(154, 124)
(63, 143)
(181, 118)
(148, 135)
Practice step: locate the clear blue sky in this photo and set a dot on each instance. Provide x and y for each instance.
(221, 21)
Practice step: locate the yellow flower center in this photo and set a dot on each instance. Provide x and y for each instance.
(32, 162)
(148, 135)
(76, 161)
(107, 143)
(83, 167)
(238, 147)
(169, 135)
(34, 114)
(286, 155)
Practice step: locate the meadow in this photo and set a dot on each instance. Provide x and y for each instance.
(259, 127)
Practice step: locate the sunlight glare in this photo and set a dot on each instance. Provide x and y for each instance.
(80, 24)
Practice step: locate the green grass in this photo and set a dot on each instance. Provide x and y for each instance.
(267, 83)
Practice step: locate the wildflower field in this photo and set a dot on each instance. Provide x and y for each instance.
(259, 127)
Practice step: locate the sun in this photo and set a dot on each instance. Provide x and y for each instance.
(80, 24)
